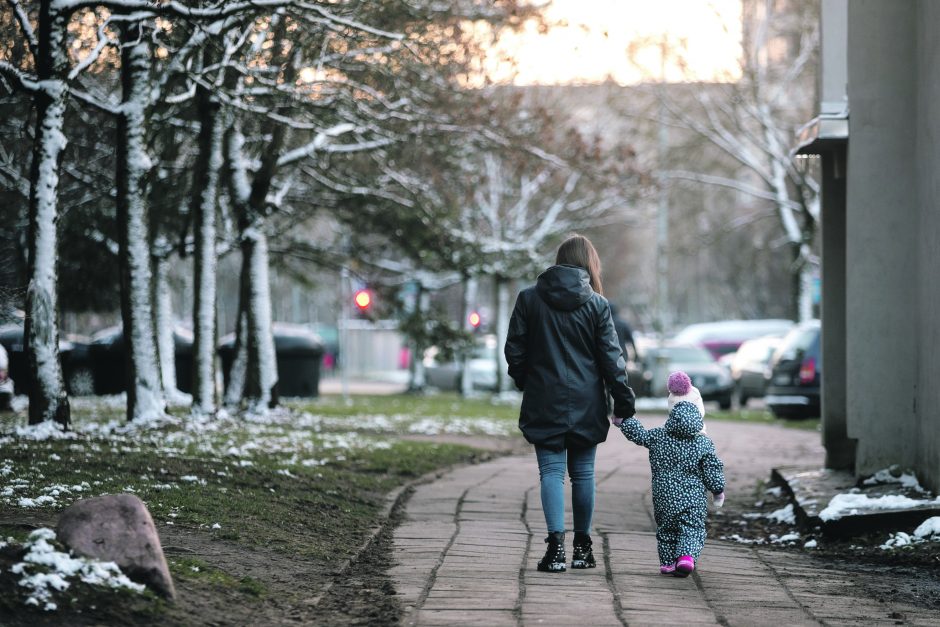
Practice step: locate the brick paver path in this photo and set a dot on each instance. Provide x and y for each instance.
(467, 551)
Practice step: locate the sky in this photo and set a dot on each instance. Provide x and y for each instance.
(587, 41)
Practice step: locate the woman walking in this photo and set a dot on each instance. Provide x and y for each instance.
(564, 355)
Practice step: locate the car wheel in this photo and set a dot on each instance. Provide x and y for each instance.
(742, 397)
(725, 403)
(6, 401)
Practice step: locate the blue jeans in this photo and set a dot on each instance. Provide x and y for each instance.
(580, 466)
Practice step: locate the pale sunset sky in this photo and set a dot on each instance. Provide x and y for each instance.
(587, 42)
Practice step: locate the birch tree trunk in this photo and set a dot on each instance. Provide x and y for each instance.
(249, 199)
(145, 397)
(47, 395)
(235, 390)
(163, 316)
(204, 197)
(261, 376)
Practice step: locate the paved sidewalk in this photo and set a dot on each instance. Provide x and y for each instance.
(467, 551)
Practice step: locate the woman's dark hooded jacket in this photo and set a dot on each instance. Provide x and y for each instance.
(562, 349)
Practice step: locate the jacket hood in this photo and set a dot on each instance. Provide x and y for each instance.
(684, 421)
(564, 287)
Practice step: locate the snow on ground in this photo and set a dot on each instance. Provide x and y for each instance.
(783, 515)
(46, 570)
(927, 531)
(280, 436)
(851, 504)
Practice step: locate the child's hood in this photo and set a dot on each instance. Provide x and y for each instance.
(684, 421)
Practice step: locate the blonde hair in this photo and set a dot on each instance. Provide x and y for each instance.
(578, 250)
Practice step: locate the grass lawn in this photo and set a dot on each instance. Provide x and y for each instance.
(295, 491)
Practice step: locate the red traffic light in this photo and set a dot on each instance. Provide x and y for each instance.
(474, 319)
(363, 299)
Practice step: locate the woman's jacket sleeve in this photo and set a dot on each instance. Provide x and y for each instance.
(516, 344)
(613, 367)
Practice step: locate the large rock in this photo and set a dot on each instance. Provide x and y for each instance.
(118, 528)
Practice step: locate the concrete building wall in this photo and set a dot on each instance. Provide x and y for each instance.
(882, 228)
(928, 187)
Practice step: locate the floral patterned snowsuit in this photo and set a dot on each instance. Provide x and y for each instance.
(683, 464)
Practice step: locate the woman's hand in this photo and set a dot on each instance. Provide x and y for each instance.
(616, 421)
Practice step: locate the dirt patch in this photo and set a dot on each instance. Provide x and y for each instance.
(240, 580)
(906, 574)
(233, 585)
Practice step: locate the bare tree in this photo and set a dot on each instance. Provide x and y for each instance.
(749, 122)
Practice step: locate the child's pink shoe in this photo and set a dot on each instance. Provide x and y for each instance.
(667, 569)
(685, 566)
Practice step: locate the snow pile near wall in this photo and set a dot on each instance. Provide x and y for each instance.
(46, 570)
(851, 504)
(893, 474)
(930, 527)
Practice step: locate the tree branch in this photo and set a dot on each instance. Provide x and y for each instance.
(27, 28)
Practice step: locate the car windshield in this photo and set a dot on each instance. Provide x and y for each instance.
(683, 354)
(797, 341)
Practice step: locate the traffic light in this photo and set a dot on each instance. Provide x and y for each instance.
(363, 300)
(474, 319)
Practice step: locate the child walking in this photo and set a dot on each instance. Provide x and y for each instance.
(684, 465)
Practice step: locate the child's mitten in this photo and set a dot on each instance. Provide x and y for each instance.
(719, 499)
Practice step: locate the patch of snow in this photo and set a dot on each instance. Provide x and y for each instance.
(930, 527)
(651, 403)
(896, 540)
(894, 475)
(736, 538)
(216, 526)
(789, 537)
(775, 491)
(810, 544)
(45, 430)
(45, 569)
(19, 403)
(783, 515)
(850, 504)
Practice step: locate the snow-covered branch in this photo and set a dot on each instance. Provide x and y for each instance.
(336, 19)
(27, 28)
(21, 80)
(722, 181)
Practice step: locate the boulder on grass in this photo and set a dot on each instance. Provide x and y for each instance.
(118, 528)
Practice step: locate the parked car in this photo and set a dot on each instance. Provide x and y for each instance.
(748, 367)
(73, 355)
(723, 337)
(447, 375)
(795, 373)
(711, 378)
(6, 383)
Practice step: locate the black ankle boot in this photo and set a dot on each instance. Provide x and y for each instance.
(554, 560)
(583, 555)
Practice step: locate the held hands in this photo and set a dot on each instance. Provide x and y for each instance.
(719, 499)
(616, 421)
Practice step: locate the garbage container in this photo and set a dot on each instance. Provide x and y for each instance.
(299, 353)
(109, 365)
(11, 337)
